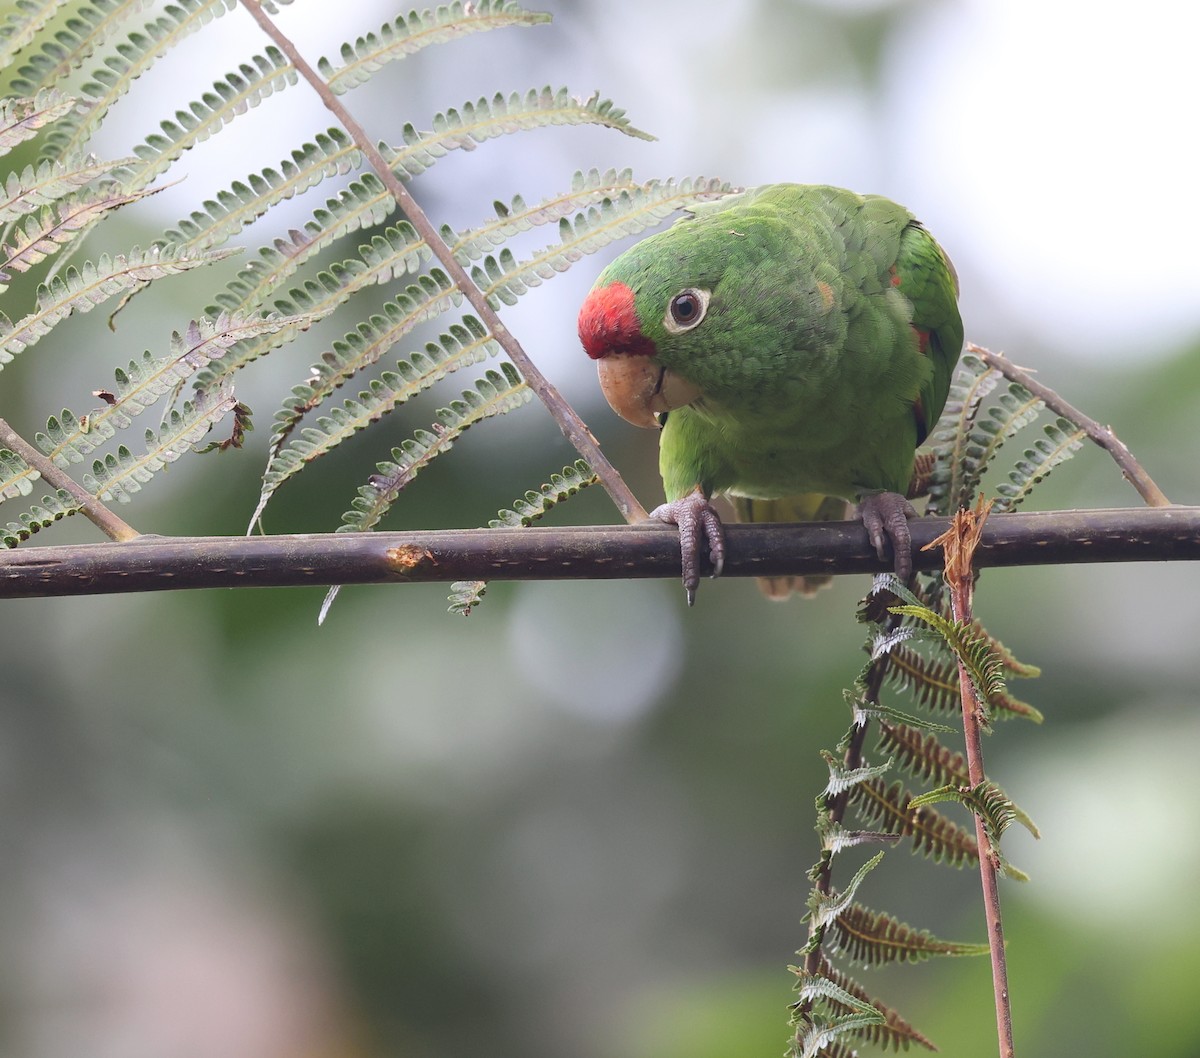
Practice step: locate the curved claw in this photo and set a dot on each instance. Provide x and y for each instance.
(700, 529)
(885, 515)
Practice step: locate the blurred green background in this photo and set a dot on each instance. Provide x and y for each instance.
(577, 823)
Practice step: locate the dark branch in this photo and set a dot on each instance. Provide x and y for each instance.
(588, 553)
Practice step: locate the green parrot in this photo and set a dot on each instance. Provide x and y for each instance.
(795, 343)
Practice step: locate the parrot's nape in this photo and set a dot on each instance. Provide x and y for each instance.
(795, 343)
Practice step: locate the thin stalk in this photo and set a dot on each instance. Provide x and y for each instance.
(1104, 436)
(959, 543)
(92, 509)
(572, 426)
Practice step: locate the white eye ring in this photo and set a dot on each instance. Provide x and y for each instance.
(686, 310)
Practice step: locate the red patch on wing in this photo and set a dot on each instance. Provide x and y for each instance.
(895, 276)
(609, 324)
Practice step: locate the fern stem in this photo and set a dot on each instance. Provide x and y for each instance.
(1104, 436)
(569, 422)
(959, 543)
(101, 517)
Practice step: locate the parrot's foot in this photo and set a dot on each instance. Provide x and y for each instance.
(700, 530)
(885, 515)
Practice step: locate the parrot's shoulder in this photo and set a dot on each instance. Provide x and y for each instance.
(857, 221)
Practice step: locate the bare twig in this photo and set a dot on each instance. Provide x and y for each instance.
(109, 524)
(584, 553)
(1104, 436)
(959, 543)
(572, 426)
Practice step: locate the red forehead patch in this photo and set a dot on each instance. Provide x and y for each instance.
(608, 324)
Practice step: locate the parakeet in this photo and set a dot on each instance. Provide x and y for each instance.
(795, 342)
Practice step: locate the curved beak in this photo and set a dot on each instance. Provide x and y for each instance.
(639, 388)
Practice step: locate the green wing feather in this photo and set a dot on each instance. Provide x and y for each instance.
(927, 278)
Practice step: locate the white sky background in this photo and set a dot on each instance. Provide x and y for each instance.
(1047, 144)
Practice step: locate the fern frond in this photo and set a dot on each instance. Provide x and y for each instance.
(949, 487)
(842, 778)
(331, 153)
(1063, 439)
(397, 251)
(820, 1037)
(1014, 409)
(484, 119)
(587, 189)
(404, 36)
(889, 808)
(875, 938)
(360, 205)
(82, 289)
(973, 650)
(88, 27)
(894, 1032)
(536, 108)
(535, 505)
(932, 682)
(464, 343)
(825, 908)
(836, 839)
(383, 396)
(986, 800)
(40, 516)
(16, 476)
(499, 392)
(865, 710)
(887, 640)
(122, 474)
(923, 755)
(23, 118)
(126, 62)
(825, 1012)
(49, 181)
(1008, 661)
(365, 203)
(503, 279)
(254, 81)
(466, 595)
(24, 24)
(59, 225)
(954, 484)
(68, 439)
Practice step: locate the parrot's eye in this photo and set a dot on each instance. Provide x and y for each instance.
(686, 310)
